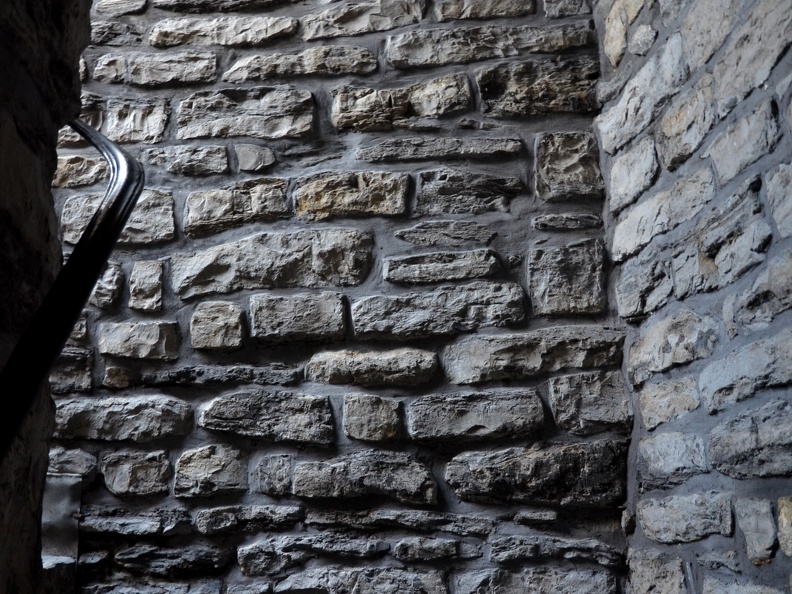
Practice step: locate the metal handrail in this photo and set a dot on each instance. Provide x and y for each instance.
(49, 329)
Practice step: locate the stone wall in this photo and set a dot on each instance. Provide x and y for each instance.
(696, 142)
(356, 336)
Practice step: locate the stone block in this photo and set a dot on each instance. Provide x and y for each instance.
(73, 371)
(185, 561)
(145, 285)
(686, 518)
(394, 475)
(632, 172)
(457, 191)
(210, 470)
(397, 367)
(425, 549)
(413, 520)
(669, 459)
(119, 7)
(667, 400)
(341, 194)
(234, 31)
(514, 413)
(147, 586)
(785, 525)
(686, 123)
(275, 416)
(74, 171)
(115, 34)
(373, 580)
(441, 311)
(264, 113)
(273, 475)
(702, 35)
(548, 86)
(371, 418)
(190, 160)
(356, 18)
(723, 585)
(136, 120)
(419, 148)
(213, 5)
(642, 40)
(108, 287)
(512, 548)
(246, 518)
(118, 521)
(140, 340)
(755, 521)
(450, 10)
(330, 60)
(566, 221)
(254, 158)
(567, 280)
(156, 70)
(445, 234)
(134, 418)
(779, 198)
(307, 258)
(590, 474)
(295, 318)
(567, 166)
(538, 580)
(207, 375)
(518, 356)
(216, 326)
(72, 461)
(589, 403)
(133, 472)
(755, 443)
(652, 572)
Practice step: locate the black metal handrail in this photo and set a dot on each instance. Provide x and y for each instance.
(41, 343)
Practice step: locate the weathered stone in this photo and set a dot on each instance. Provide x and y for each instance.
(136, 120)
(547, 86)
(449, 10)
(567, 166)
(703, 35)
(140, 340)
(265, 113)
(779, 198)
(688, 120)
(517, 356)
(145, 286)
(273, 475)
(588, 403)
(74, 171)
(117, 377)
(73, 461)
(621, 15)
(632, 173)
(246, 518)
(371, 418)
(436, 47)
(567, 221)
(301, 317)
(560, 8)
(365, 109)
(441, 311)
(119, 7)
(421, 521)
(325, 60)
(98, 519)
(645, 284)
(236, 31)
(190, 160)
(135, 418)
(210, 470)
(425, 549)
(721, 585)
(668, 400)
(214, 5)
(567, 280)
(475, 416)
(445, 233)
(375, 580)
(114, 33)
(755, 443)
(73, 371)
(718, 560)
(216, 326)
(512, 548)
(418, 148)
(752, 51)
(177, 562)
(686, 518)
(536, 580)
(663, 73)
(131, 472)
(150, 587)
(785, 525)
(340, 194)
(155, 70)
(397, 367)
(642, 40)
(761, 364)
(652, 572)
(669, 459)
(456, 191)
(440, 266)
(355, 18)
(590, 474)
(394, 475)
(274, 416)
(755, 520)
(755, 134)
(677, 339)
(536, 517)
(108, 287)
(318, 258)
(662, 212)
(251, 157)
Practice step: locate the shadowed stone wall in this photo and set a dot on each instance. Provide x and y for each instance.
(697, 146)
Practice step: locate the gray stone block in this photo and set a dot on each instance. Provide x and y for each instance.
(567, 166)
(341, 194)
(140, 340)
(371, 418)
(132, 472)
(589, 403)
(397, 367)
(210, 470)
(216, 326)
(235, 31)
(686, 518)
(246, 518)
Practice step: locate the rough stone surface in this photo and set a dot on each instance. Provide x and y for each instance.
(155, 70)
(785, 524)
(718, 585)
(308, 316)
(135, 120)
(145, 286)
(337, 194)
(652, 572)
(130, 472)
(475, 416)
(440, 266)
(251, 157)
(216, 326)
(108, 287)
(449, 10)
(642, 40)
(669, 459)
(73, 371)
(210, 470)
(398, 367)
(512, 548)
(204, 375)
(152, 587)
(119, 7)
(589, 403)
(364, 581)
(98, 519)
(632, 173)
(190, 160)
(172, 562)
(273, 475)
(668, 400)
(326, 60)
(456, 191)
(567, 166)
(755, 520)
(140, 340)
(354, 18)
(543, 475)
(421, 521)
(225, 30)
(445, 234)
(394, 475)
(246, 518)
(541, 580)
(686, 518)
(689, 118)
(425, 549)
(136, 418)
(212, 5)
(371, 418)
(568, 221)
(560, 8)
(72, 461)
(779, 182)
(419, 148)
(274, 416)
(74, 171)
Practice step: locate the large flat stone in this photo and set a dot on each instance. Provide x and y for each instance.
(246, 518)
(440, 266)
(133, 472)
(355, 18)
(190, 160)
(567, 166)
(371, 418)
(397, 367)
(118, 521)
(536, 580)
(340, 194)
(668, 400)
(419, 148)
(156, 70)
(172, 562)
(289, 318)
(401, 519)
(247, 31)
(449, 10)
(686, 518)
(135, 120)
(326, 60)
(514, 548)
(755, 520)
(214, 5)
(75, 170)
(669, 459)
(686, 123)
(653, 572)
(216, 326)
(446, 233)
(210, 470)
(589, 403)
(632, 172)
(373, 580)
(779, 198)
(457, 191)
(207, 375)
(733, 585)
(140, 340)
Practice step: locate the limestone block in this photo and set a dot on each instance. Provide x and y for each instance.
(755, 520)
(246, 518)
(275, 416)
(340, 194)
(135, 418)
(273, 475)
(642, 40)
(140, 340)
(73, 371)
(147, 586)
(632, 172)
(206, 375)
(210, 470)
(373, 580)
(567, 166)
(440, 266)
(686, 518)
(301, 317)
(785, 525)
(251, 157)
(216, 326)
(779, 182)
(185, 561)
(458, 191)
(425, 549)
(589, 403)
(449, 10)
(119, 7)
(590, 474)
(133, 472)
(213, 5)
(445, 233)
(72, 461)
(652, 572)
(108, 287)
(145, 285)
(394, 475)
(512, 548)
(156, 70)
(669, 459)
(721, 585)
(541, 580)
(74, 170)
(413, 520)
(235, 31)
(567, 221)
(118, 521)
(561, 8)
(397, 367)
(419, 148)
(112, 33)
(135, 120)
(686, 123)
(475, 416)
(667, 400)
(355, 18)
(309, 258)
(190, 160)
(371, 418)
(326, 60)
(703, 35)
